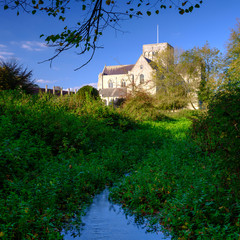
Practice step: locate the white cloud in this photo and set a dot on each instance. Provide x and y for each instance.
(7, 53)
(44, 81)
(4, 55)
(31, 45)
(2, 46)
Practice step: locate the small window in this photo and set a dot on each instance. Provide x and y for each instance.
(110, 84)
(141, 66)
(141, 79)
(123, 83)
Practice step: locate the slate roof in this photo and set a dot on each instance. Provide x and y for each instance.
(113, 92)
(118, 69)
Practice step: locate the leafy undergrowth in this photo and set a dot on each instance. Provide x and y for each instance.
(182, 188)
(55, 155)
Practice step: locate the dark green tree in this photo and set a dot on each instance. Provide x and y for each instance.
(15, 76)
(88, 91)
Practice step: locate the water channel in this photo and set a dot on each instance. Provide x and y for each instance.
(107, 221)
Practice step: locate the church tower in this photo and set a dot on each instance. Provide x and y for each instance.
(150, 50)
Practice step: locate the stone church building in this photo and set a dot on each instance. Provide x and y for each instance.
(117, 81)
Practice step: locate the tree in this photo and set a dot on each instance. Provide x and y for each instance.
(88, 91)
(209, 64)
(189, 67)
(233, 55)
(14, 76)
(95, 16)
(171, 92)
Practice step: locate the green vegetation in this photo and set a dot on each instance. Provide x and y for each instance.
(55, 156)
(57, 153)
(88, 91)
(142, 107)
(218, 130)
(183, 188)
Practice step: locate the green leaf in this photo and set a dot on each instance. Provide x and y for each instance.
(157, 12)
(83, 7)
(41, 35)
(181, 11)
(34, 11)
(184, 3)
(197, 6)
(5, 7)
(190, 9)
(149, 13)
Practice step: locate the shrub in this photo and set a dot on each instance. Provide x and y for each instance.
(218, 130)
(140, 106)
(88, 91)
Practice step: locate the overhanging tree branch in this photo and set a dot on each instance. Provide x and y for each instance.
(99, 14)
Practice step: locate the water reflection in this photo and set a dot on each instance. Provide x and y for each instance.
(107, 221)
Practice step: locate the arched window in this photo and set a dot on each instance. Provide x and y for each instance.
(132, 77)
(123, 83)
(141, 79)
(110, 84)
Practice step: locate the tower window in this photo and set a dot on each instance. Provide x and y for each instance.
(141, 79)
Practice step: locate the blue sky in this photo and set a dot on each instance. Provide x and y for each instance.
(19, 39)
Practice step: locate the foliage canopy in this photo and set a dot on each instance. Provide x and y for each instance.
(233, 54)
(88, 91)
(14, 76)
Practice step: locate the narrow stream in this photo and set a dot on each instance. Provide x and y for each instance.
(107, 221)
